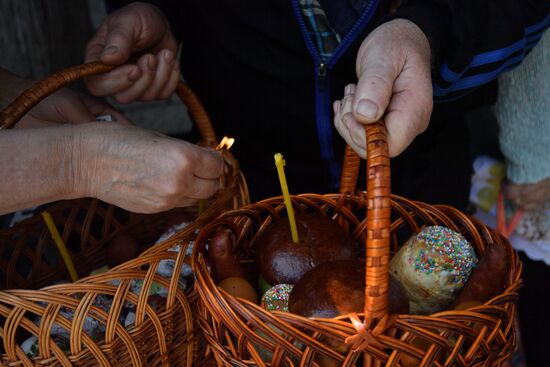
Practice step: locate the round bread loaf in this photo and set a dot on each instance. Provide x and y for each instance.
(433, 266)
(338, 287)
(281, 261)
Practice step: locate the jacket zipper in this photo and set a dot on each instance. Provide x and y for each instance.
(322, 90)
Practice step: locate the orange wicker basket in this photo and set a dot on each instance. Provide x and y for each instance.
(244, 334)
(90, 313)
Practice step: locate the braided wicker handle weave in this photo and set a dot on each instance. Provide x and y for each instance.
(10, 115)
(378, 216)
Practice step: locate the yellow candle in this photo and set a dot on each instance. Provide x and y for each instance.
(280, 163)
(60, 245)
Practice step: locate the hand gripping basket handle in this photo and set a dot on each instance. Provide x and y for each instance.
(12, 113)
(378, 216)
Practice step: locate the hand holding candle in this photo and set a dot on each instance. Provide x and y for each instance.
(280, 163)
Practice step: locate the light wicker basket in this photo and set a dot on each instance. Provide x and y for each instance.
(161, 335)
(244, 334)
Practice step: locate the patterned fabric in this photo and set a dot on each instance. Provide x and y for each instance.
(324, 36)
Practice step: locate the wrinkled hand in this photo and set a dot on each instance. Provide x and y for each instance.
(67, 106)
(393, 68)
(137, 29)
(140, 170)
(530, 196)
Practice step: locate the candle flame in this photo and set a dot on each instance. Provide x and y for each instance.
(226, 143)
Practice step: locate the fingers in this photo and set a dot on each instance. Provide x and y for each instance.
(375, 86)
(347, 125)
(138, 27)
(209, 164)
(112, 43)
(153, 77)
(200, 173)
(200, 188)
(394, 83)
(119, 40)
(113, 82)
(164, 79)
(172, 83)
(147, 64)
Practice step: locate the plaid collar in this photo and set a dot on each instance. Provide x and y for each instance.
(324, 36)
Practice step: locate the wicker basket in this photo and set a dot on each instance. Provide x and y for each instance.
(163, 333)
(243, 334)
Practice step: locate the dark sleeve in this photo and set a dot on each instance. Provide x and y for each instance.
(171, 8)
(473, 41)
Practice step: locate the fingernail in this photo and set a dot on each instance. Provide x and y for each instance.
(168, 56)
(110, 50)
(134, 75)
(367, 109)
(336, 107)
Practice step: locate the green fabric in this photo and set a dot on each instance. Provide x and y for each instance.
(523, 113)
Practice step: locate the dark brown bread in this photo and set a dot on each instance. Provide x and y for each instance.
(337, 288)
(488, 278)
(280, 260)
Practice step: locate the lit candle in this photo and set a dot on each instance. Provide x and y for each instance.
(280, 163)
(60, 245)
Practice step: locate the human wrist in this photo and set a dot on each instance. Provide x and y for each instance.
(84, 161)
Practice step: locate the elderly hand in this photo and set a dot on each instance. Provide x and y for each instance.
(63, 106)
(530, 196)
(393, 68)
(67, 106)
(140, 170)
(138, 28)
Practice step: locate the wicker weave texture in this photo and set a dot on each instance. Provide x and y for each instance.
(162, 333)
(244, 334)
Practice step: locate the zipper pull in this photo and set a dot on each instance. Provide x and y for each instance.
(321, 74)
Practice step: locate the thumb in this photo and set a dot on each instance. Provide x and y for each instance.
(375, 85)
(119, 41)
(112, 43)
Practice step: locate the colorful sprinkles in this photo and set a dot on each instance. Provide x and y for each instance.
(444, 251)
(276, 298)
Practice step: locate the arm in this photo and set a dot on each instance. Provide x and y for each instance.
(136, 169)
(28, 177)
(524, 126)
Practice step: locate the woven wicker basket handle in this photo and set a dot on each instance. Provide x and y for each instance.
(378, 216)
(10, 115)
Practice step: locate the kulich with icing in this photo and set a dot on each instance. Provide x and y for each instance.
(433, 266)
